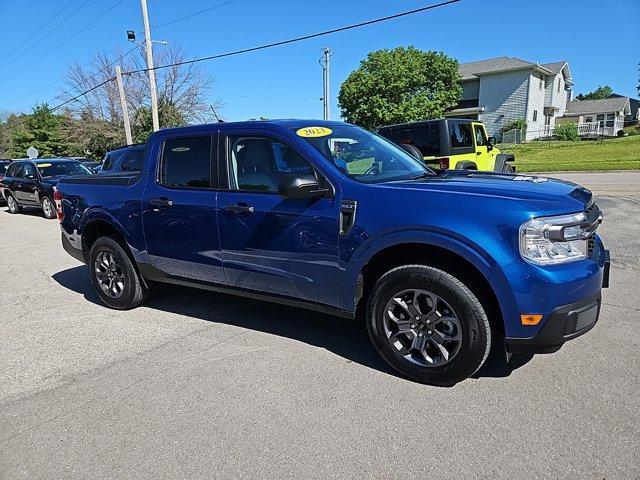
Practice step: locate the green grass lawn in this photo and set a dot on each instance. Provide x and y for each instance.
(609, 154)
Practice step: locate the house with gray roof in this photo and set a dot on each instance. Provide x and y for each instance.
(499, 90)
(603, 117)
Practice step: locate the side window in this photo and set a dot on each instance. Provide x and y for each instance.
(133, 161)
(426, 138)
(186, 162)
(460, 135)
(29, 171)
(257, 164)
(535, 115)
(109, 160)
(481, 138)
(13, 170)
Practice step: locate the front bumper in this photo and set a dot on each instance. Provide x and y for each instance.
(565, 322)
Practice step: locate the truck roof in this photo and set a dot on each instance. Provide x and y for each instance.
(282, 123)
(418, 123)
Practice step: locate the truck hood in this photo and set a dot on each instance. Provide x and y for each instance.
(542, 193)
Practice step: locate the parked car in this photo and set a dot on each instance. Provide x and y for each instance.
(4, 164)
(29, 183)
(123, 159)
(268, 210)
(451, 143)
(87, 162)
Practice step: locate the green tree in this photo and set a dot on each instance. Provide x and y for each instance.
(603, 91)
(400, 85)
(41, 129)
(168, 114)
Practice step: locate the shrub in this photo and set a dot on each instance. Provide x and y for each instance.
(566, 131)
(519, 124)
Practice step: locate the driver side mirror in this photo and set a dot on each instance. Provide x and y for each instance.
(301, 185)
(30, 176)
(491, 142)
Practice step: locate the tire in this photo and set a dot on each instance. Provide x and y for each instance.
(116, 270)
(12, 204)
(509, 169)
(48, 208)
(452, 306)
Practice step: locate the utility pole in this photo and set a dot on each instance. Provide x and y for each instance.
(123, 104)
(326, 100)
(152, 72)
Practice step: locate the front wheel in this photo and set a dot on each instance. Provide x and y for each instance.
(48, 209)
(115, 279)
(428, 325)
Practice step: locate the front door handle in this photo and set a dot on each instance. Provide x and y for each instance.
(239, 208)
(160, 203)
(478, 153)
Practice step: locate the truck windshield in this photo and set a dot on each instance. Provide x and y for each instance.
(362, 155)
(54, 169)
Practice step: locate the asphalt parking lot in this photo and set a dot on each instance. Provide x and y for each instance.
(196, 384)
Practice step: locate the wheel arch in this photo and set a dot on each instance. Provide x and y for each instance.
(473, 267)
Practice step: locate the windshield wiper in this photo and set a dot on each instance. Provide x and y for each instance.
(421, 175)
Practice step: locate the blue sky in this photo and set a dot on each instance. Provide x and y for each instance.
(599, 39)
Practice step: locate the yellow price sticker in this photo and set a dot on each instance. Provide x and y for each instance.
(314, 132)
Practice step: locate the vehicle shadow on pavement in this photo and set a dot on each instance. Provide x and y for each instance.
(344, 337)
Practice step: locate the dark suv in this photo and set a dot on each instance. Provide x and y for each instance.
(29, 183)
(123, 159)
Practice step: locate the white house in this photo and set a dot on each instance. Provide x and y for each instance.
(499, 90)
(603, 117)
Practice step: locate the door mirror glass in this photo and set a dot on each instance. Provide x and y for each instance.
(30, 176)
(491, 141)
(300, 185)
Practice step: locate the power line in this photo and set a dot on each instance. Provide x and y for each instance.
(13, 52)
(5, 79)
(253, 49)
(193, 14)
(111, 64)
(297, 39)
(16, 55)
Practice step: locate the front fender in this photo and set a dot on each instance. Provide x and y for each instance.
(447, 240)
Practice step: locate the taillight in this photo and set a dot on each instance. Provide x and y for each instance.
(444, 163)
(57, 197)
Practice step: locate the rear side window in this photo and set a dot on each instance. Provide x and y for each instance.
(460, 134)
(186, 162)
(425, 137)
(13, 170)
(133, 161)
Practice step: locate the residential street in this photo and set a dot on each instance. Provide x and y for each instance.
(196, 384)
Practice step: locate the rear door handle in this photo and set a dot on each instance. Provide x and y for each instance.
(160, 203)
(240, 207)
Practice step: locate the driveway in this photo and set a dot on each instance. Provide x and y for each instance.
(195, 384)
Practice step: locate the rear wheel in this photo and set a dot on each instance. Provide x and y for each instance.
(12, 204)
(428, 325)
(48, 209)
(113, 275)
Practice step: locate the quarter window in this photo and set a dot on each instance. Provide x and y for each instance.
(257, 164)
(186, 162)
(535, 115)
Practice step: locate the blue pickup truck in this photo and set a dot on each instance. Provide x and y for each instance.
(330, 217)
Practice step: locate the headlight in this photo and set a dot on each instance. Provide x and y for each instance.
(561, 239)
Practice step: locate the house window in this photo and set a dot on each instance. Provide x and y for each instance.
(559, 81)
(610, 119)
(541, 82)
(535, 115)
(588, 119)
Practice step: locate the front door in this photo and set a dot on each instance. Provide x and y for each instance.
(271, 244)
(179, 210)
(485, 159)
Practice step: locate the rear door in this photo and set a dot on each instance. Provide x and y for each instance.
(14, 171)
(179, 209)
(271, 244)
